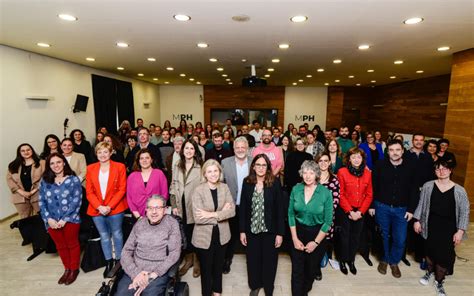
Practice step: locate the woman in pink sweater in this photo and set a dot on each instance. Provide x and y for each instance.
(144, 182)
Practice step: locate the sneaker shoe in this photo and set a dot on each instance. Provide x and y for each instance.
(425, 280)
(439, 288)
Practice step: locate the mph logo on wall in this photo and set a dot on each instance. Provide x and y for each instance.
(304, 118)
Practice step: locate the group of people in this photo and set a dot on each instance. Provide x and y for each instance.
(314, 191)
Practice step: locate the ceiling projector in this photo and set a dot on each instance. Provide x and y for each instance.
(253, 80)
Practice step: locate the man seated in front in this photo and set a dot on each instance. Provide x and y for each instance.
(154, 245)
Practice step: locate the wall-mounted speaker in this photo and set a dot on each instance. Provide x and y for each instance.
(81, 104)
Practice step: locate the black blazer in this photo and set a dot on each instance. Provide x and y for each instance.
(273, 203)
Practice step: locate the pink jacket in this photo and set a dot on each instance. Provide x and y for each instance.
(137, 193)
(275, 155)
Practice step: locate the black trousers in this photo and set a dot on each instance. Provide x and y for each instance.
(304, 266)
(212, 262)
(235, 236)
(262, 261)
(350, 237)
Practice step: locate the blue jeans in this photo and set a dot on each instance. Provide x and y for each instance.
(394, 231)
(110, 226)
(156, 287)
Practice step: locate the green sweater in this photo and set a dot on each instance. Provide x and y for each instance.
(318, 211)
(345, 144)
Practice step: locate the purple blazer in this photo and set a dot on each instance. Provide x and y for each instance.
(137, 193)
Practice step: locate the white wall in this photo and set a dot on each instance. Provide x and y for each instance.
(24, 74)
(180, 99)
(309, 101)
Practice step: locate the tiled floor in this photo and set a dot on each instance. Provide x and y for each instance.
(38, 277)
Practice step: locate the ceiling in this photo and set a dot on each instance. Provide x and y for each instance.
(334, 30)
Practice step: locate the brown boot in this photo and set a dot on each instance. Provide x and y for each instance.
(395, 270)
(188, 262)
(382, 267)
(197, 267)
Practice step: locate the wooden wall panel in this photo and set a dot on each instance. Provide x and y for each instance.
(224, 97)
(459, 126)
(335, 106)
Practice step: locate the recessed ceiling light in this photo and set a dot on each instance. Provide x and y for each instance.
(122, 44)
(337, 61)
(140, 74)
(182, 75)
(170, 68)
(295, 83)
(67, 17)
(300, 80)
(120, 68)
(151, 59)
(231, 82)
(309, 76)
(155, 79)
(370, 70)
(275, 60)
(181, 17)
(198, 82)
(227, 79)
(364, 46)
(398, 62)
(90, 59)
(42, 44)
(413, 20)
(220, 69)
(393, 77)
(373, 81)
(224, 75)
(167, 82)
(419, 71)
(213, 60)
(284, 46)
(244, 60)
(337, 80)
(298, 18)
(202, 45)
(326, 84)
(351, 76)
(320, 70)
(357, 84)
(267, 75)
(444, 48)
(270, 69)
(191, 79)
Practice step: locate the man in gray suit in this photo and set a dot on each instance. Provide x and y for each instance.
(235, 170)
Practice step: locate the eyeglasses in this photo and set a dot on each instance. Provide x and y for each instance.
(151, 209)
(258, 165)
(442, 169)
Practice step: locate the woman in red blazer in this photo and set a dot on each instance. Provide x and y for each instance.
(106, 186)
(355, 198)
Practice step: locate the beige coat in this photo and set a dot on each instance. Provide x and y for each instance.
(14, 183)
(202, 199)
(78, 165)
(179, 187)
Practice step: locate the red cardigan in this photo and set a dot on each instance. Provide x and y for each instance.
(355, 192)
(115, 193)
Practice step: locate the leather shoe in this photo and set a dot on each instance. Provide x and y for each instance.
(342, 267)
(226, 268)
(395, 271)
(318, 276)
(63, 278)
(352, 268)
(72, 277)
(382, 268)
(108, 267)
(405, 260)
(368, 261)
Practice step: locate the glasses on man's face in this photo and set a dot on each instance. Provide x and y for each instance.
(151, 209)
(260, 165)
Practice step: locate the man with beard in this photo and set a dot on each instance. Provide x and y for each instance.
(302, 130)
(217, 150)
(156, 138)
(344, 140)
(395, 200)
(235, 169)
(273, 152)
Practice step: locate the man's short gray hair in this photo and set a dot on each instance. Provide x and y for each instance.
(310, 165)
(242, 140)
(156, 197)
(178, 138)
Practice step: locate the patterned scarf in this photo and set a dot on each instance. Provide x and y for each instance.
(356, 172)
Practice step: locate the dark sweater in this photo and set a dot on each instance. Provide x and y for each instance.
(155, 154)
(293, 163)
(423, 163)
(395, 185)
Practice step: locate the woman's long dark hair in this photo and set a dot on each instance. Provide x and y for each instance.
(136, 164)
(197, 155)
(326, 153)
(49, 175)
(46, 150)
(14, 166)
(291, 147)
(252, 177)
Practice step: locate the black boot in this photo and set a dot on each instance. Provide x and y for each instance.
(108, 267)
(352, 268)
(368, 261)
(342, 267)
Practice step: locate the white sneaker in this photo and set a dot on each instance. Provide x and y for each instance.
(425, 280)
(439, 288)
